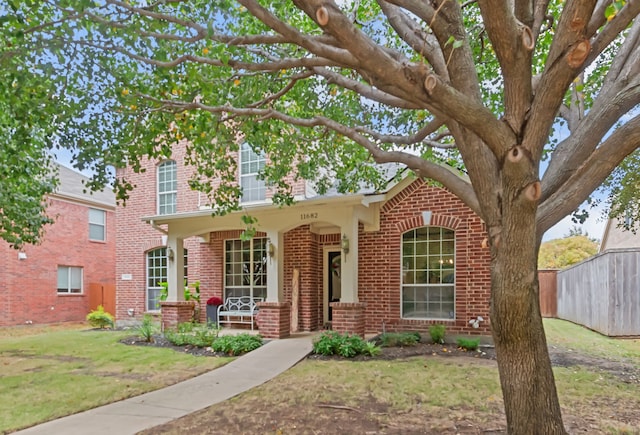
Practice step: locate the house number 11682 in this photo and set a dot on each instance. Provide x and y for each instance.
(305, 216)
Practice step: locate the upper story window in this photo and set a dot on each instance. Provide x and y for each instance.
(167, 187)
(251, 164)
(428, 273)
(97, 224)
(69, 280)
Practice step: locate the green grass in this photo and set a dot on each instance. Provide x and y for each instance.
(61, 371)
(576, 337)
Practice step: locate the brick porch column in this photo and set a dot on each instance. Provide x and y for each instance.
(177, 312)
(274, 319)
(348, 317)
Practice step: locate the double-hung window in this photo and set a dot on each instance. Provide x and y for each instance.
(69, 280)
(167, 187)
(251, 163)
(97, 224)
(246, 268)
(428, 273)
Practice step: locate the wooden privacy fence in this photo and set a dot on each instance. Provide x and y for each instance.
(548, 292)
(603, 293)
(102, 294)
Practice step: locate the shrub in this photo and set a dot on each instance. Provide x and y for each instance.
(147, 328)
(346, 345)
(236, 344)
(437, 333)
(468, 343)
(189, 333)
(99, 318)
(396, 339)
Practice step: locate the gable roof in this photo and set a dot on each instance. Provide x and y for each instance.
(616, 237)
(72, 186)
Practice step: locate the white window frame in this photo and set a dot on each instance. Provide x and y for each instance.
(156, 274)
(69, 288)
(98, 224)
(245, 268)
(167, 187)
(251, 163)
(428, 274)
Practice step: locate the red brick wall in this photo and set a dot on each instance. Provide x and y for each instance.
(136, 238)
(379, 256)
(380, 267)
(28, 292)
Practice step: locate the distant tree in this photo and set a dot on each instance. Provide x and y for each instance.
(561, 253)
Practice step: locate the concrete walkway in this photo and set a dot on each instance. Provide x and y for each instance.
(161, 406)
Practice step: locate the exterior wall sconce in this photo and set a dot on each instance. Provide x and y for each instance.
(271, 250)
(22, 255)
(170, 254)
(345, 244)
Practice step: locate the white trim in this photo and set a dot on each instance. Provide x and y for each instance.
(325, 281)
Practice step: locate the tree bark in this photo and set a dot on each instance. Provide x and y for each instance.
(528, 386)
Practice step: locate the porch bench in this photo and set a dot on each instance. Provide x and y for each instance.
(241, 309)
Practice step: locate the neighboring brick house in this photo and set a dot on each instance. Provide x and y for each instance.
(72, 270)
(402, 259)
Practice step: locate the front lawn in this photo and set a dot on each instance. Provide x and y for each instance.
(431, 393)
(49, 372)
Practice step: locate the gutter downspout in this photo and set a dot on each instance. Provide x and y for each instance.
(156, 227)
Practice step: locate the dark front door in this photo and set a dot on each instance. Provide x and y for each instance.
(334, 292)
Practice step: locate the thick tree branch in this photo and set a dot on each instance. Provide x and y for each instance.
(566, 60)
(595, 169)
(365, 90)
(628, 55)
(577, 148)
(613, 28)
(513, 43)
(415, 138)
(420, 41)
(539, 17)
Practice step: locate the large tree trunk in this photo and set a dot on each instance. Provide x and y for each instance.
(528, 386)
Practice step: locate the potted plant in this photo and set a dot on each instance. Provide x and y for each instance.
(212, 309)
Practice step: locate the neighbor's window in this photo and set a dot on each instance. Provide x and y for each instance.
(167, 187)
(428, 273)
(157, 276)
(251, 164)
(69, 280)
(97, 224)
(246, 268)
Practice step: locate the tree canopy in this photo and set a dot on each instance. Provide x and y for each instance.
(447, 89)
(473, 95)
(565, 252)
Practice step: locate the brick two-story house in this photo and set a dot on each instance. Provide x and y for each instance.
(72, 270)
(399, 259)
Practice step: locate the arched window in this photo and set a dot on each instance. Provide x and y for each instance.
(157, 276)
(428, 273)
(251, 163)
(167, 187)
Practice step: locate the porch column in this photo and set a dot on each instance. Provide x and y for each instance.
(349, 264)
(274, 314)
(175, 309)
(175, 269)
(348, 314)
(275, 267)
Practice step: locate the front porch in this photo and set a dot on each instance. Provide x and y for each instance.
(302, 263)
